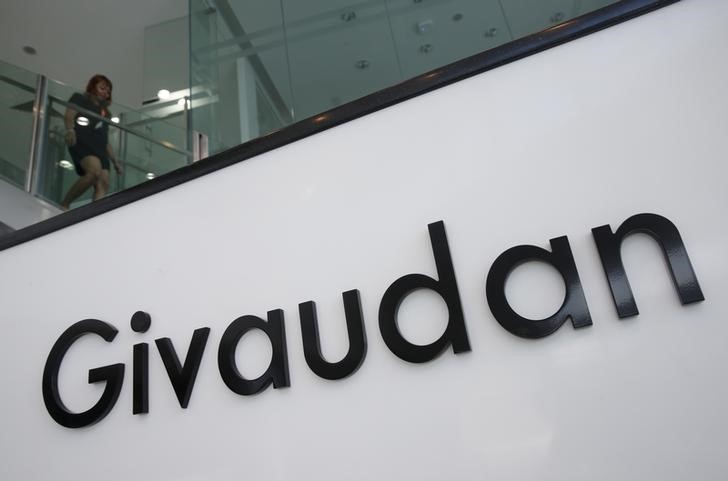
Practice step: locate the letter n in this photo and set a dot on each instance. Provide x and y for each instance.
(667, 236)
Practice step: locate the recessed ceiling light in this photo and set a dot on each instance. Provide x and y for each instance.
(163, 94)
(150, 175)
(65, 164)
(116, 120)
(29, 50)
(82, 121)
(424, 26)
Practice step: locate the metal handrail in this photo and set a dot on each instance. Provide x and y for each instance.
(137, 133)
(17, 84)
(65, 103)
(40, 127)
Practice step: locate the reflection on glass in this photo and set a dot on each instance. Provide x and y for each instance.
(258, 65)
(255, 67)
(17, 94)
(145, 146)
(428, 35)
(239, 71)
(34, 149)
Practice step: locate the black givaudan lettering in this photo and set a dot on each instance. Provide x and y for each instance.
(277, 372)
(113, 375)
(667, 236)
(574, 305)
(455, 334)
(140, 322)
(312, 341)
(182, 376)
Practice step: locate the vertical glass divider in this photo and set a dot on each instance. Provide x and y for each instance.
(292, 109)
(188, 122)
(38, 135)
(200, 146)
(121, 154)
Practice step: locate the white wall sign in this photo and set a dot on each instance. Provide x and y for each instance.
(626, 121)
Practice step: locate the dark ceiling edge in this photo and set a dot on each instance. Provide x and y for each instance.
(462, 69)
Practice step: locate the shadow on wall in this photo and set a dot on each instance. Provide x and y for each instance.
(5, 229)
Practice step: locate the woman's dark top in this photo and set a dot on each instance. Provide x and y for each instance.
(92, 138)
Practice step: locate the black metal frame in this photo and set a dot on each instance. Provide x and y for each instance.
(462, 69)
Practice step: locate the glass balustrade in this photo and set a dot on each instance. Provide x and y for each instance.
(240, 85)
(258, 65)
(17, 97)
(147, 146)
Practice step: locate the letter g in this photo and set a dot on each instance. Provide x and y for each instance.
(113, 375)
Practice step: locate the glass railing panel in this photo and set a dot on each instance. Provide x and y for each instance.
(586, 6)
(56, 173)
(164, 121)
(145, 146)
(430, 34)
(338, 51)
(142, 158)
(240, 79)
(529, 16)
(259, 65)
(146, 158)
(310, 57)
(17, 96)
(203, 71)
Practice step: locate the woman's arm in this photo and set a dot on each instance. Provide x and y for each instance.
(69, 118)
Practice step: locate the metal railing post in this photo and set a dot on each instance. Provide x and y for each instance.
(189, 137)
(200, 146)
(38, 136)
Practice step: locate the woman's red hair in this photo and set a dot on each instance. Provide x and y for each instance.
(95, 80)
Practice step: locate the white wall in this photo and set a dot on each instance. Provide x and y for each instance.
(628, 120)
(20, 209)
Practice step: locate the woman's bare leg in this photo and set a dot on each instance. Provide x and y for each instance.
(101, 186)
(92, 171)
